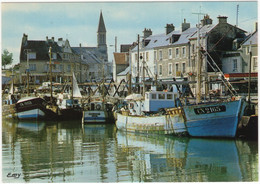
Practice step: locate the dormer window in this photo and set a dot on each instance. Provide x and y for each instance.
(32, 55)
(54, 55)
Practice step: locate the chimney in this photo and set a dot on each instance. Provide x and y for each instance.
(25, 38)
(52, 38)
(60, 39)
(147, 33)
(169, 28)
(185, 26)
(256, 26)
(222, 19)
(47, 38)
(206, 20)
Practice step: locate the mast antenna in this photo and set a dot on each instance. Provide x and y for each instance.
(237, 15)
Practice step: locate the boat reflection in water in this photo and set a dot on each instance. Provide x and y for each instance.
(175, 159)
(31, 126)
(60, 152)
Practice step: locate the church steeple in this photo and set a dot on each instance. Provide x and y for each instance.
(101, 32)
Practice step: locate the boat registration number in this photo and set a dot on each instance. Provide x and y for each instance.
(208, 110)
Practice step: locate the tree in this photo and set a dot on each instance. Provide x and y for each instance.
(7, 58)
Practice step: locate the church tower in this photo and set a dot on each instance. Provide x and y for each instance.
(101, 37)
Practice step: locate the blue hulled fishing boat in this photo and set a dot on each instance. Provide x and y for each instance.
(214, 119)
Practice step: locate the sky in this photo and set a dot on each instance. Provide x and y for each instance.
(78, 21)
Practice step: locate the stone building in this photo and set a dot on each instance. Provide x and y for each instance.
(87, 62)
(35, 56)
(174, 54)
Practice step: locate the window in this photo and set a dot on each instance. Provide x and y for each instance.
(183, 51)
(160, 55)
(32, 67)
(153, 96)
(170, 69)
(54, 56)
(147, 56)
(234, 65)
(141, 56)
(247, 50)
(193, 48)
(169, 96)
(177, 67)
(32, 55)
(177, 52)
(177, 70)
(68, 68)
(155, 55)
(46, 67)
(161, 96)
(183, 68)
(255, 63)
(170, 53)
(160, 69)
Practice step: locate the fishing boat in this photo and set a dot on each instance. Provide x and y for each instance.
(157, 113)
(34, 108)
(98, 112)
(213, 119)
(69, 105)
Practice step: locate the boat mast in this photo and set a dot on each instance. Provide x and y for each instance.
(198, 95)
(199, 62)
(28, 70)
(137, 77)
(50, 73)
(72, 83)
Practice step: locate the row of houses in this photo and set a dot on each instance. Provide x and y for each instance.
(174, 53)
(87, 63)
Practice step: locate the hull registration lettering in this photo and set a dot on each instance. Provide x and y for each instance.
(208, 110)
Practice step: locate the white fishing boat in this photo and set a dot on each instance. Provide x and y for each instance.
(98, 112)
(157, 113)
(69, 104)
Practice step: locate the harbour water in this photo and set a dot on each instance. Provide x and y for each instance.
(60, 152)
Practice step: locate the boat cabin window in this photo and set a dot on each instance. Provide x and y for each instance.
(92, 106)
(153, 96)
(161, 96)
(169, 96)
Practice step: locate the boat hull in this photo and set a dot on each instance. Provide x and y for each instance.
(96, 116)
(214, 120)
(157, 124)
(71, 113)
(31, 114)
(33, 108)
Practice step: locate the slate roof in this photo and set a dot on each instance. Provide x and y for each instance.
(203, 31)
(89, 57)
(252, 38)
(185, 36)
(41, 48)
(159, 40)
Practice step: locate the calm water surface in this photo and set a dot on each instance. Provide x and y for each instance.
(67, 152)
